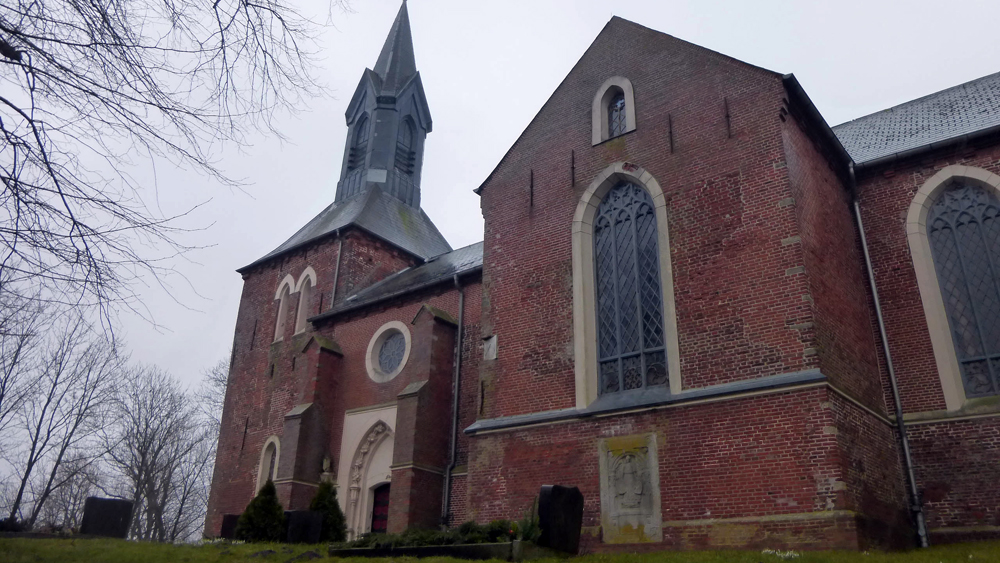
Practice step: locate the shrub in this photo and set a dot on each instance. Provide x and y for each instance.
(334, 523)
(470, 532)
(528, 527)
(264, 518)
(11, 525)
(500, 531)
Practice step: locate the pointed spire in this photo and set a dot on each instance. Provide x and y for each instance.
(395, 63)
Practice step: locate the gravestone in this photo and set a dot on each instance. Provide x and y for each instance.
(228, 531)
(106, 517)
(304, 526)
(560, 516)
(630, 489)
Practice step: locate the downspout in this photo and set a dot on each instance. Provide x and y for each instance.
(336, 270)
(456, 386)
(916, 505)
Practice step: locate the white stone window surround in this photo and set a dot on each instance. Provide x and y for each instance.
(584, 287)
(927, 281)
(375, 345)
(304, 287)
(599, 110)
(264, 466)
(282, 295)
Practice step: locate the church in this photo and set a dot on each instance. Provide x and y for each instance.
(728, 323)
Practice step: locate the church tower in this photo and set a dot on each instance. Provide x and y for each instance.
(388, 120)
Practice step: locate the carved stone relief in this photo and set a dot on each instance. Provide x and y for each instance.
(630, 489)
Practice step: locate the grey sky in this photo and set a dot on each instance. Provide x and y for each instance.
(487, 68)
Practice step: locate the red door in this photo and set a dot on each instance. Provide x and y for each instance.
(380, 510)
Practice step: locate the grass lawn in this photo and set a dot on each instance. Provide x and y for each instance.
(117, 551)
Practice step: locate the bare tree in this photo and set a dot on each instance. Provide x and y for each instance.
(20, 321)
(79, 476)
(72, 391)
(89, 88)
(158, 446)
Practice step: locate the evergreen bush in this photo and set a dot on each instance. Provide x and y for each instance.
(334, 523)
(264, 518)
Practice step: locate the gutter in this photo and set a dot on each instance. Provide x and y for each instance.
(916, 504)
(456, 387)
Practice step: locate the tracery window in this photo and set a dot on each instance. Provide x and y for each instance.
(963, 228)
(390, 354)
(617, 123)
(630, 325)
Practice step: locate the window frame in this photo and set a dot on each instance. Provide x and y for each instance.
(262, 477)
(584, 286)
(936, 316)
(600, 130)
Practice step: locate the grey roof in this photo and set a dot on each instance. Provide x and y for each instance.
(434, 271)
(396, 63)
(957, 111)
(381, 215)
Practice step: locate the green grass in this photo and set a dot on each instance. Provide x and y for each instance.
(117, 551)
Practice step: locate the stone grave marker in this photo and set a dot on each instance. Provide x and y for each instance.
(560, 515)
(304, 526)
(106, 517)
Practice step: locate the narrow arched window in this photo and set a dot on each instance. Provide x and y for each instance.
(617, 122)
(268, 469)
(305, 301)
(963, 228)
(404, 147)
(279, 324)
(357, 155)
(630, 339)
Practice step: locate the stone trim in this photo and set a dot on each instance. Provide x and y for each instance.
(843, 394)
(282, 295)
(418, 467)
(296, 482)
(370, 408)
(584, 290)
(651, 400)
(796, 517)
(261, 479)
(371, 356)
(599, 108)
(927, 281)
(304, 287)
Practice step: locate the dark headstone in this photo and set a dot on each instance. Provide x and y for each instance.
(560, 516)
(304, 526)
(106, 517)
(228, 531)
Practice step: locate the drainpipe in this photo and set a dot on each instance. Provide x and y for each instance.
(916, 506)
(456, 385)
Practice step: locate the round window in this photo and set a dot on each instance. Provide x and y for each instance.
(388, 351)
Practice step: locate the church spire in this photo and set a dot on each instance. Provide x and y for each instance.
(388, 120)
(396, 63)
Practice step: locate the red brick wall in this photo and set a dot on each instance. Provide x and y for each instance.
(726, 221)
(260, 400)
(955, 462)
(752, 457)
(840, 333)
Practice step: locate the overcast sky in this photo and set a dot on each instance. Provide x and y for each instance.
(487, 68)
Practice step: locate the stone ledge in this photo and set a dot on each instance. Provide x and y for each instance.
(645, 399)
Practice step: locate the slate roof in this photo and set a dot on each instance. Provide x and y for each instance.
(436, 270)
(957, 111)
(396, 63)
(381, 215)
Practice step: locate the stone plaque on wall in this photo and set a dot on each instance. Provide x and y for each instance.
(630, 489)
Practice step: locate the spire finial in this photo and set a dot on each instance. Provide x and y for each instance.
(396, 63)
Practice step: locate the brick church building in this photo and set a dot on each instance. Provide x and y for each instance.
(695, 301)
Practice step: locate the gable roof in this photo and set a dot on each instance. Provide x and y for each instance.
(381, 215)
(437, 270)
(614, 22)
(957, 111)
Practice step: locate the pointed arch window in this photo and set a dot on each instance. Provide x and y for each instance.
(405, 155)
(284, 294)
(617, 122)
(963, 228)
(267, 469)
(357, 155)
(630, 322)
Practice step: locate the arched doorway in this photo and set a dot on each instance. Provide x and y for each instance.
(380, 509)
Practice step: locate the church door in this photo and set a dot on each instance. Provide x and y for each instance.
(380, 509)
